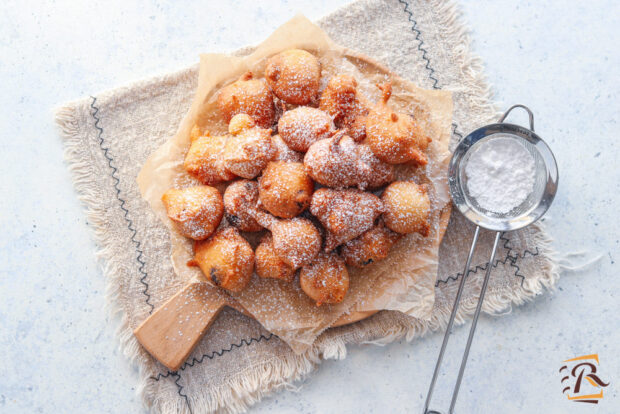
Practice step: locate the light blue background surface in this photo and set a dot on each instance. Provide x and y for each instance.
(58, 351)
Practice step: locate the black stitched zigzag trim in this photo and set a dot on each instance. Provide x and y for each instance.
(479, 267)
(455, 132)
(180, 391)
(513, 259)
(232, 346)
(244, 342)
(421, 48)
(528, 252)
(176, 382)
(130, 224)
(514, 264)
(517, 256)
(507, 258)
(160, 376)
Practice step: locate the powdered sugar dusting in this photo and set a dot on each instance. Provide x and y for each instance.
(500, 174)
(303, 126)
(247, 96)
(339, 162)
(283, 152)
(296, 241)
(326, 280)
(372, 246)
(249, 152)
(294, 76)
(332, 162)
(196, 211)
(345, 214)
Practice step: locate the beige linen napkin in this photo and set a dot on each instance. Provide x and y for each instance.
(109, 136)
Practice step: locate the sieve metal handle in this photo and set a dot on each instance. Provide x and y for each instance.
(457, 300)
(472, 330)
(529, 113)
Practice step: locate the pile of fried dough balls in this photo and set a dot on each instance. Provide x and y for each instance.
(314, 168)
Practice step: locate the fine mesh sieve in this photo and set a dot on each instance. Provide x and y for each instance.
(528, 204)
(527, 212)
(545, 184)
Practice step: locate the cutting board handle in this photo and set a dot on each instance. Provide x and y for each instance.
(171, 332)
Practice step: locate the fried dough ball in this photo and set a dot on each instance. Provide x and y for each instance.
(296, 241)
(339, 162)
(372, 172)
(248, 96)
(339, 96)
(345, 214)
(283, 152)
(371, 247)
(269, 264)
(285, 189)
(294, 76)
(326, 279)
(407, 208)
(239, 197)
(332, 162)
(204, 160)
(226, 259)
(348, 109)
(195, 211)
(395, 137)
(303, 126)
(249, 149)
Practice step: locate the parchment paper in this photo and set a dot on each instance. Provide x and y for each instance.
(405, 280)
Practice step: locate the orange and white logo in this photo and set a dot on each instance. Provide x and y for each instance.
(581, 381)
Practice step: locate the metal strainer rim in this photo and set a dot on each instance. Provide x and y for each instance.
(509, 223)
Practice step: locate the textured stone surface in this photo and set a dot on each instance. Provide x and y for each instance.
(57, 346)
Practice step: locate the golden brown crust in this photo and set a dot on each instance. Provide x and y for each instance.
(394, 137)
(372, 172)
(204, 160)
(284, 152)
(407, 208)
(239, 198)
(303, 126)
(326, 279)
(296, 241)
(195, 211)
(269, 264)
(348, 109)
(334, 158)
(294, 76)
(226, 259)
(333, 162)
(345, 214)
(339, 162)
(371, 247)
(249, 149)
(285, 189)
(248, 96)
